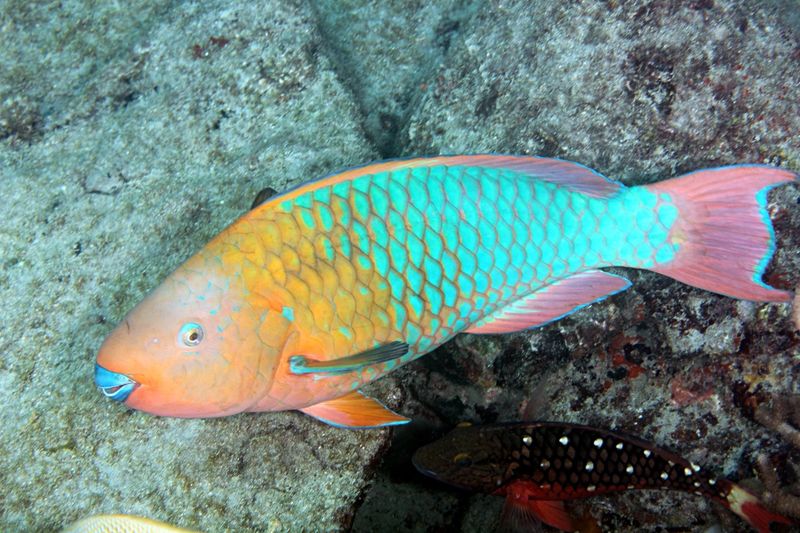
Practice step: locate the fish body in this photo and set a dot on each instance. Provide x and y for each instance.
(120, 523)
(535, 465)
(327, 287)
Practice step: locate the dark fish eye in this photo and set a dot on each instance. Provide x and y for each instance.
(463, 460)
(190, 334)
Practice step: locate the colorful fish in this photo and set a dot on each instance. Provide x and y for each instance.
(538, 465)
(320, 290)
(121, 523)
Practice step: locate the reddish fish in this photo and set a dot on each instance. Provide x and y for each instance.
(322, 289)
(537, 465)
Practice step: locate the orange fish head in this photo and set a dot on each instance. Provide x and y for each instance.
(192, 348)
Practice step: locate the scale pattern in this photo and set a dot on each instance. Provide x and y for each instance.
(419, 254)
(575, 462)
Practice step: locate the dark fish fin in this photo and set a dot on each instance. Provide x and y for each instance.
(356, 411)
(573, 176)
(300, 364)
(552, 302)
(525, 515)
(263, 195)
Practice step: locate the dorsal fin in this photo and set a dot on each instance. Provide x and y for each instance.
(574, 176)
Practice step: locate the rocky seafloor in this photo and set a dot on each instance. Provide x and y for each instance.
(129, 137)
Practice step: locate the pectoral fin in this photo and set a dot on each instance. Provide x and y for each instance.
(300, 364)
(355, 411)
(519, 516)
(263, 195)
(552, 302)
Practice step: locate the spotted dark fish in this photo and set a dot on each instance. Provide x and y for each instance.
(537, 465)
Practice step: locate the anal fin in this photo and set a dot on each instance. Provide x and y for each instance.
(356, 411)
(557, 300)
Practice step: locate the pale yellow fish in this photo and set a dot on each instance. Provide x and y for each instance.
(121, 523)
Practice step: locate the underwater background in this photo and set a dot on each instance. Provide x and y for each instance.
(131, 135)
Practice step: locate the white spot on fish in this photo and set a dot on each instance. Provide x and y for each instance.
(591, 488)
(545, 464)
(564, 440)
(687, 471)
(598, 442)
(664, 476)
(647, 453)
(618, 446)
(712, 481)
(589, 466)
(629, 469)
(631, 487)
(527, 440)
(695, 467)
(697, 484)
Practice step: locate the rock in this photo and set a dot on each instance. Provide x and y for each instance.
(141, 134)
(639, 92)
(386, 53)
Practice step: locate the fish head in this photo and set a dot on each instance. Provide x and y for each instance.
(194, 347)
(469, 457)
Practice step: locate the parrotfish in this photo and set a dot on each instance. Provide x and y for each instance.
(538, 465)
(324, 288)
(120, 523)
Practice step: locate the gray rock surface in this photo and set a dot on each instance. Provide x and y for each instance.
(129, 140)
(386, 53)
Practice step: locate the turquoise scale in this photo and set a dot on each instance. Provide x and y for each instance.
(453, 244)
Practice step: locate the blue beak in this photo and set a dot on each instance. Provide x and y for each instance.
(115, 386)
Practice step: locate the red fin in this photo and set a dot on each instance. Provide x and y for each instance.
(552, 302)
(574, 176)
(728, 234)
(553, 514)
(518, 518)
(356, 411)
(746, 505)
(523, 515)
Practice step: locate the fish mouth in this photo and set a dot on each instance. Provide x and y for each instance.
(113, 384)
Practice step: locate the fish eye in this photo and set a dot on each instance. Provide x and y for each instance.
(463, 460)
(190, 334)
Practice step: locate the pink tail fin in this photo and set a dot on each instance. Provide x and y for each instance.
(727, 233)
(746, 505)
